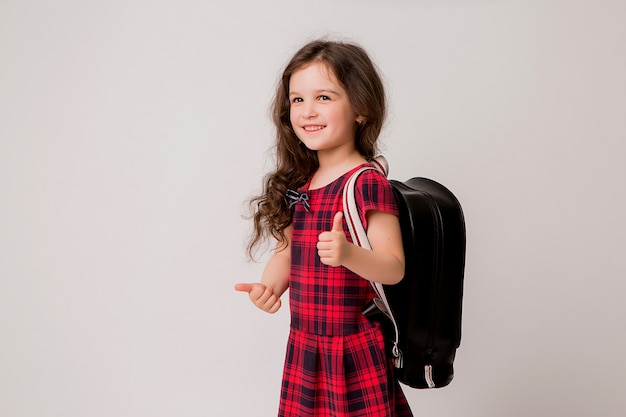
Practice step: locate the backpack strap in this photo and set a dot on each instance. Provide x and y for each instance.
(359, 238)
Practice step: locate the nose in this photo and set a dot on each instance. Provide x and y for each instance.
(309, 110)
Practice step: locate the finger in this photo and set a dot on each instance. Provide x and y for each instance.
(337, 223)
(244, 287)
(323, 251)
(275, 307)
(263, 296)
(328, 261)
(269, 303)
(324, 237)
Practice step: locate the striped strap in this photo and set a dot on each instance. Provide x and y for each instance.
(359, 238)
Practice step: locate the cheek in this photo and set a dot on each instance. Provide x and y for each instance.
(293, 121)
(346, 119)
(292, 118)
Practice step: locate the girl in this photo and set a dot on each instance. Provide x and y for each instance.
(328, 111)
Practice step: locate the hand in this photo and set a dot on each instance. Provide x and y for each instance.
(262, 296)
(332, 246)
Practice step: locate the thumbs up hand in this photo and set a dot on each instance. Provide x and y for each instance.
(332, 246)
(262, 296)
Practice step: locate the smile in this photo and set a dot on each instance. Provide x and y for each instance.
(313, 128)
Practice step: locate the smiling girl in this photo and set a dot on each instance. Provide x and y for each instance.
(328, 111)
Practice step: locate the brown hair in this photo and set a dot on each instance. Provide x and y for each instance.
(295, 163)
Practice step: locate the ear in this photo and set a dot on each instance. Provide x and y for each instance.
(360, 119)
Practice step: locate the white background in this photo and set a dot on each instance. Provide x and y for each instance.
(132, 132)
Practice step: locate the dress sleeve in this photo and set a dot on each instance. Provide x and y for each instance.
(373, 192)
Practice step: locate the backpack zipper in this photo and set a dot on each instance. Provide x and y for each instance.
(436, 283)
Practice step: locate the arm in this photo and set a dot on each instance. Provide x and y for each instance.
(274, 281)
(276, 272)
(384, 263)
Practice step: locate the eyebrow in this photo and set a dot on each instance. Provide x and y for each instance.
(322, 91)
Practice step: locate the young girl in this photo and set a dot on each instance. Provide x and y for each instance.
(328, 111)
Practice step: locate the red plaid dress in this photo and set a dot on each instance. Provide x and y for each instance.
(336, 363)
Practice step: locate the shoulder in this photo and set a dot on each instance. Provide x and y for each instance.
(374, 192)
(372, 176)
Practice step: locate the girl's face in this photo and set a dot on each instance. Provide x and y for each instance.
(320, 110)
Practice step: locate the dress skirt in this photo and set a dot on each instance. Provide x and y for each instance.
(340, 376)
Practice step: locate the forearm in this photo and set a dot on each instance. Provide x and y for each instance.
(276, 273)
(377, 266)
(274, 280)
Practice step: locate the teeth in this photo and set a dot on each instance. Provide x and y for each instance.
(313, 128)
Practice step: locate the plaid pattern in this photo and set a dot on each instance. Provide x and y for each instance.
(336, 363)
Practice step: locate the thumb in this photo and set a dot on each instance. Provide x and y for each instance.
(337, 225)
(245, 287)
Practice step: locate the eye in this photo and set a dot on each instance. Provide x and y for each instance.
(324, 98)
(296, 100)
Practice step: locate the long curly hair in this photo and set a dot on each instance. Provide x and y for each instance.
(295, 163)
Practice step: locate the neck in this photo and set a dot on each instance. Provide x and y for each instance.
(338, 160)
(332, 166)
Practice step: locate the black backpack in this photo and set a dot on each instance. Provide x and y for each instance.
(423, 326)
